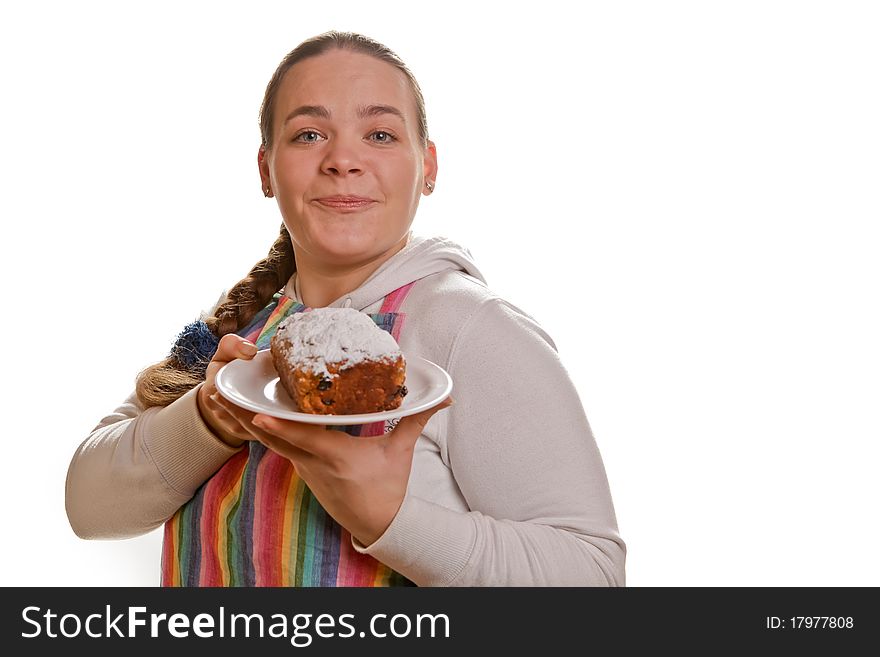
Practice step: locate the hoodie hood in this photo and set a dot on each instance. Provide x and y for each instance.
(422, 256)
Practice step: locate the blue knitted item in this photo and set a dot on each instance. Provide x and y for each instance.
(195, 347)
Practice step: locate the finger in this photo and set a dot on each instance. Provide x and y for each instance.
(231, 407)
(300, 459)
(223, 422)
(231, 347)
(289, 434)
(242, 416)
(312, 438)
(234, 346)
(279, 445)
(407, 432)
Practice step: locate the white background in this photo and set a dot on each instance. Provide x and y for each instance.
(684, 194)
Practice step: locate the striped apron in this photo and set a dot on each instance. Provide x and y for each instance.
(256, 523)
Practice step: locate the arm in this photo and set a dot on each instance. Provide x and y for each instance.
(137, 467)
(522, 453)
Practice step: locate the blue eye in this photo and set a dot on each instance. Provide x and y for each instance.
(388, 137)
(313, 137)
(304, 133)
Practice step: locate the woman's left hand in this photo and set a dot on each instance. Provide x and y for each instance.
(359, 480)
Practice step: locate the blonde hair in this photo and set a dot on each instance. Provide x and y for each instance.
(168, 380)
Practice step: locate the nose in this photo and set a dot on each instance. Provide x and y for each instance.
(341, 159)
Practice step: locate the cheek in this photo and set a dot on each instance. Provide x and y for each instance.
(405, 173)
(290, 185)
(291, 172)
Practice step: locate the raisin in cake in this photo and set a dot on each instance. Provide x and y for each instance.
(337, 361)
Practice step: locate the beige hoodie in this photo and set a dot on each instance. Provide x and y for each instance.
(507, 487)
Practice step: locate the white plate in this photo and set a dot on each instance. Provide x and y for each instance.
(254, 385)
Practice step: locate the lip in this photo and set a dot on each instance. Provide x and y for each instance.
(345, 202)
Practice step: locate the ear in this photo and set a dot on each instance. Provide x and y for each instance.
(430, 165)
(263, 166)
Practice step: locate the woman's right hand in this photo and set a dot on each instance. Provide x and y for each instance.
(218, 419)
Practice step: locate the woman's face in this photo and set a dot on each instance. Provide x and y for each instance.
(346, 164)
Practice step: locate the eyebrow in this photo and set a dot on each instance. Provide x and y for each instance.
(363, 112)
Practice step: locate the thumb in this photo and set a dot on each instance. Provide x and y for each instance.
(408, 430)
(234, 346)
(231, 346)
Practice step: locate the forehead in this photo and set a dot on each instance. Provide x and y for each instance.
(342, 80)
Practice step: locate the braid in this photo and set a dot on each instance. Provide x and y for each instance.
(251, 294)
(168, 380)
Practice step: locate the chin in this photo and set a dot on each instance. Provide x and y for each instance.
(350, 248)
(350, 240)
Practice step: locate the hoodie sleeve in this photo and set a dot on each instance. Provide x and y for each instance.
(137, 467)
(524, 457)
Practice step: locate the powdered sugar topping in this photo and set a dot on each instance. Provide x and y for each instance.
(334, 335)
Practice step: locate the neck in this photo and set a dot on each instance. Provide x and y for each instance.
(320, 284)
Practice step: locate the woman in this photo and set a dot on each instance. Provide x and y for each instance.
(504, 487)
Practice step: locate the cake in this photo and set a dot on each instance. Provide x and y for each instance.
(336, 361)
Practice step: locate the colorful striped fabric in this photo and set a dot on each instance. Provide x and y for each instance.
(256, 523)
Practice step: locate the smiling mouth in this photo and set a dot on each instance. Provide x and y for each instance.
(345, 204)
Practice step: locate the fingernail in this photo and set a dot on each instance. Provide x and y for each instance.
(248, 348)
(259, 422)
